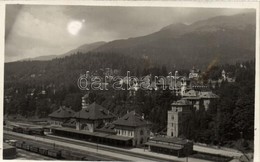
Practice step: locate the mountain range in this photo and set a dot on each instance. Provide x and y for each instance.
(222, 39)
(83, 49)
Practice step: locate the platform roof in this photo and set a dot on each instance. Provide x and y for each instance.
(174, 140)
(173, 147)
(95, 134)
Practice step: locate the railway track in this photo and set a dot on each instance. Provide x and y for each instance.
(92, 156)
(104, 148)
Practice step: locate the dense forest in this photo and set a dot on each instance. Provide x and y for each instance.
(36, 88)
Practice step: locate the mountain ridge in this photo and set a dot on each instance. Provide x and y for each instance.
(227, 39)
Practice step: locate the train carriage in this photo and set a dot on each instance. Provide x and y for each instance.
(19, 144)
(77, 157)
(66, 154)
(54, 153)
(37, 131)
(43, 151)
(27, 131)
(26, 146)
(34, 148)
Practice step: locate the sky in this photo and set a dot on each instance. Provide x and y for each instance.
(39, 30)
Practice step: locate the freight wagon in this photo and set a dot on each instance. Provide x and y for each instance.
(43, 151)
(71, 156)
(58, 154)
(37, 131)
(19, 144)
(28, 130)
(26, 146)
(34, 148)
(54, 153)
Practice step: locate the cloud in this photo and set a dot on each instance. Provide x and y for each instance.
(37, 30)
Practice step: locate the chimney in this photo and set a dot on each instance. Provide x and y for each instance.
(127, 112)
(84, 104)
(142, 115)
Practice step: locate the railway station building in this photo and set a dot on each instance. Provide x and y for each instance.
(92, 117)
(95, 123)
(135, 126)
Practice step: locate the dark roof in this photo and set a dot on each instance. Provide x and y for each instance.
(62, 112)
(190, 93)
(191, 98)
(131, 119)
(70, 123)
(208, 95)
(181, 102)
(96, 134)
(174, 140)
(109, 128)
(94, 112)
(173, 147)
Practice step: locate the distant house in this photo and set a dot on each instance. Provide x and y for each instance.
(61, 115)
(207, 97)
(93, 116)
(200, 99)
(224, 77)
(194, 73)
(133, 125)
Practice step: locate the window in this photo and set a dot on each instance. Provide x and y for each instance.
(141, 132)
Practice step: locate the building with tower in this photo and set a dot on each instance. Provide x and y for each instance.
(178, 116)
(173, 144)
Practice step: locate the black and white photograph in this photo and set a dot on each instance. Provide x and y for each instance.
(129, 83)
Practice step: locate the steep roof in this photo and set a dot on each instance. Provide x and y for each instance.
(109, 128)
(94, 112)
(190, 93)
(70, 123)
(208, 95)
(131, 119)
(62, 112)
(181, 102)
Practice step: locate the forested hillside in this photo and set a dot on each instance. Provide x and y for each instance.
(228, 119)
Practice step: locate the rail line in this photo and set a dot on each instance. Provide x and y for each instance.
(104, 148)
